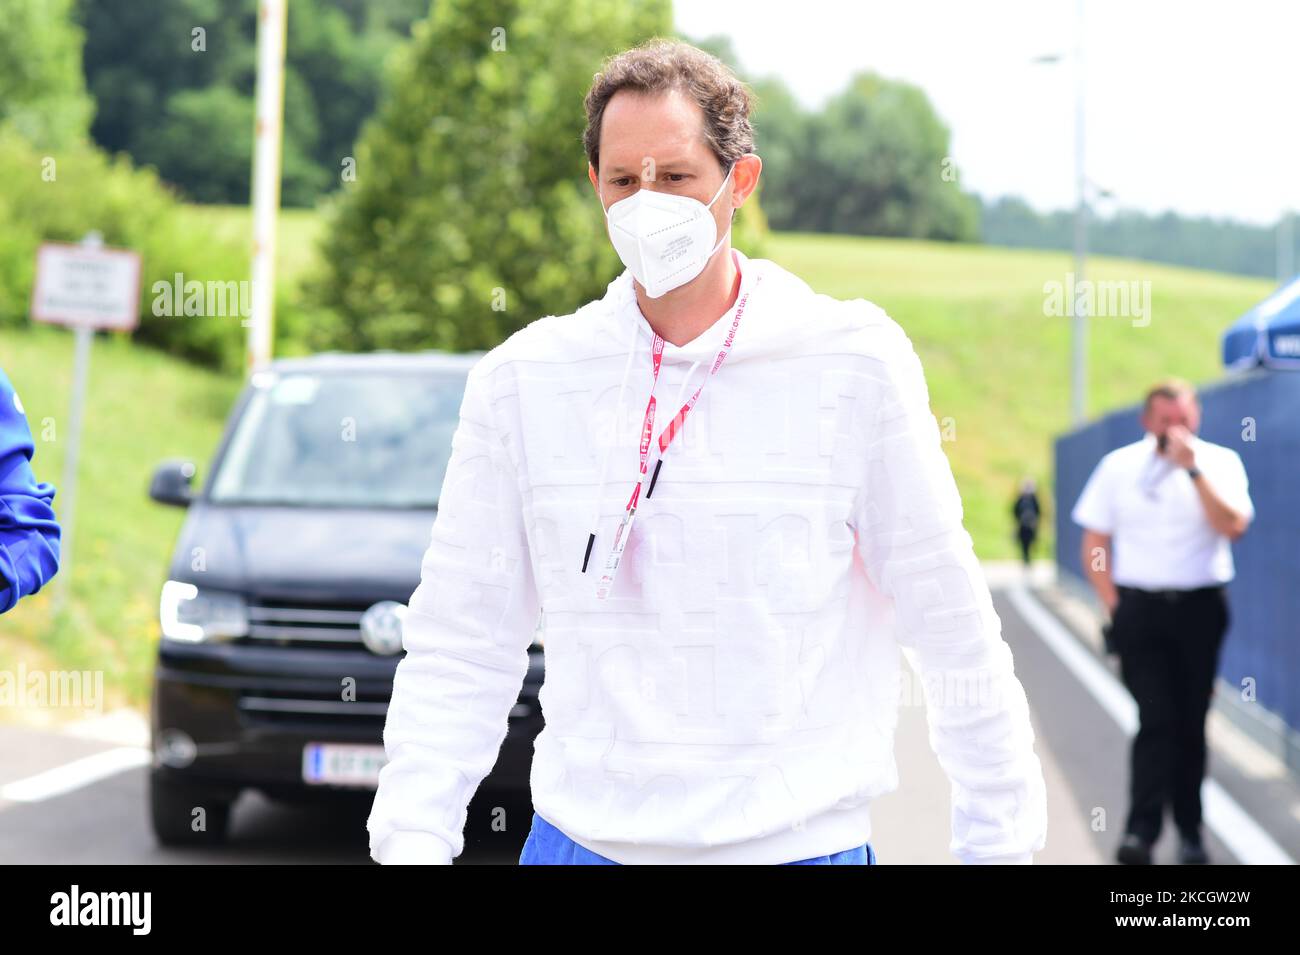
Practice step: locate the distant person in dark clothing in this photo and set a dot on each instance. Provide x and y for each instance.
(1027, 513)
(29, 535)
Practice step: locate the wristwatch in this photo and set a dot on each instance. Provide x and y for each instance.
(1194, 472)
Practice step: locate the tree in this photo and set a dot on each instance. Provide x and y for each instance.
(880, 165)
(781, 134)
(174, 80)
(42, 94)
(471, 213)
(874, 161)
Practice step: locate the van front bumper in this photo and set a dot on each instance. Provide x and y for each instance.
(231, 715)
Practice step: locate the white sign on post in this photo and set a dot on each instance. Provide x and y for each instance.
(86, 287)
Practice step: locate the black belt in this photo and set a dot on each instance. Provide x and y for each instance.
(1172, 595)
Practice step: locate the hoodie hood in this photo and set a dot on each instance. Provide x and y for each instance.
(764, 330)
(768, 327)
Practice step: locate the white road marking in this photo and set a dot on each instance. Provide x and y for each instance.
(70, 776)
(1246, 839)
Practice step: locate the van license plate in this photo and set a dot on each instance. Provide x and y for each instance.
(338, 764)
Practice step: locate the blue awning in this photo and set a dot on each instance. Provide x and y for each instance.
(1269, 334)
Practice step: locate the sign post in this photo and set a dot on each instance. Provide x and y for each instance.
(86, 287)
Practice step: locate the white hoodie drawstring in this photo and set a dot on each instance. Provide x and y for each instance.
(618, 418)
(604, 464)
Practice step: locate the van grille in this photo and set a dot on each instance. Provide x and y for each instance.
(333, 627)
(326, 710)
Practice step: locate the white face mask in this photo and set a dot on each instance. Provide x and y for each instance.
(663, 239)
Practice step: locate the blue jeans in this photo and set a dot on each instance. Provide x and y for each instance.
(547, 845)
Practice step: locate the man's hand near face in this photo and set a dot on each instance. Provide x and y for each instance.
(1178, 447)
(1225, 519)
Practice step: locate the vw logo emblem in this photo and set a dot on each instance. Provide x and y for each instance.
(381, 628)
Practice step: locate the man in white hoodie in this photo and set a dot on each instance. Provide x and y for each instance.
(729, 494)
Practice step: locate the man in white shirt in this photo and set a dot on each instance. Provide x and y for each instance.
(727, 584)
(1159, 516)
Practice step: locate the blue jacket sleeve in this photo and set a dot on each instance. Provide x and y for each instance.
(29, 534)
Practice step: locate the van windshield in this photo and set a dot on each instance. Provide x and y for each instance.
(341, 439)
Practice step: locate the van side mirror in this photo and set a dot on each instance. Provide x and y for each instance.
(171, 483)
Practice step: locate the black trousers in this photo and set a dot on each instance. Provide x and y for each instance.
(1027, 536)
(1168, 644)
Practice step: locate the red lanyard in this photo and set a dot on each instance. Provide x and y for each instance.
(665, 439)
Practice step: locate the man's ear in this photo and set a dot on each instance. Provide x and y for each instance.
(591, 174)
(745, 177)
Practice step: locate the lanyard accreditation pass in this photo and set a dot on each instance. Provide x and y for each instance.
(665, 439)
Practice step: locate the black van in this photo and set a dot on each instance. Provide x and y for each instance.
(281, 614)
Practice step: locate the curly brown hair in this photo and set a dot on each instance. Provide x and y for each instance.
(658, 66)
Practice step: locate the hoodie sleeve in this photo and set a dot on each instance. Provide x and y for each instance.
(29, 534)
(908, 519)
(466, 632)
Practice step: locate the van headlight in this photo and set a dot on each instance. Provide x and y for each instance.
(191, 615)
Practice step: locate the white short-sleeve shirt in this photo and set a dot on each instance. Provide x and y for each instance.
(1160, 535)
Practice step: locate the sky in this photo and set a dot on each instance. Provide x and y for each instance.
(1191, 106)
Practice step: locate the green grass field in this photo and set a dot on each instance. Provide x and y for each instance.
(996, 364)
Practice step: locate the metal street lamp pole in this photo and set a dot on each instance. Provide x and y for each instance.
(1078, 307)
(1079, 320)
